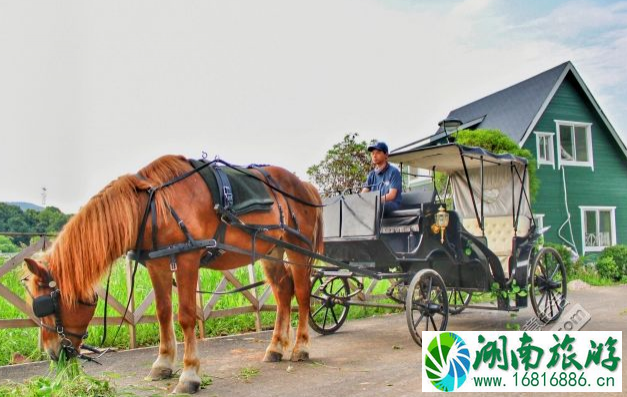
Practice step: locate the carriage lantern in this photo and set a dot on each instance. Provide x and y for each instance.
(441, 223)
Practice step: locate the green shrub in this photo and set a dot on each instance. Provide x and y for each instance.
(619, 254)
(608, 268)
(565, 253)
(498, 142)
(6, 245)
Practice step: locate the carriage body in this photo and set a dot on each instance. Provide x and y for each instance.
(490, 237)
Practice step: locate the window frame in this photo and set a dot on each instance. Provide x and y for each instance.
(597, 209)
(550, 136)
(539, 218)
(574, 163)
(417, 180)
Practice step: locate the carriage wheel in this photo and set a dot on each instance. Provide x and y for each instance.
(548, 285)
(458, 300)
(426, 305)
(329, 306)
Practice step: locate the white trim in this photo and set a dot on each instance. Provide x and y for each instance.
(561, 162)
(417, 180)
(551, 149)
(539, 222)
(545, 104)
(583, 209)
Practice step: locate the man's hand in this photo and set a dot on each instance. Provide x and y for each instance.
(390, 196)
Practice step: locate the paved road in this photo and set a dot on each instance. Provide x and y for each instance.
(368, 357)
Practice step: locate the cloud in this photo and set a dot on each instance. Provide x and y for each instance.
(91, 91)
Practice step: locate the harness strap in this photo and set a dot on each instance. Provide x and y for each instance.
(153, 218)
(224, 186)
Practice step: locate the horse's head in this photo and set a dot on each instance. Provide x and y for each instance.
(64, 324)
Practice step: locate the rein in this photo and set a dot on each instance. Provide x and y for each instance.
(49, 305)
(227, 217)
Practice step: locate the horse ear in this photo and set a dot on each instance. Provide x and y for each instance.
(36, 268)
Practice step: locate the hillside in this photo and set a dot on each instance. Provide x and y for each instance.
(26, 206)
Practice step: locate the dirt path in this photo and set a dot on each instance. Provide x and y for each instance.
(368, 357)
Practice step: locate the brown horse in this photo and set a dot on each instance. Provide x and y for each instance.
(107, 227)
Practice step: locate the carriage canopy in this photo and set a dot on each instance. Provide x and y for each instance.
(496, 180)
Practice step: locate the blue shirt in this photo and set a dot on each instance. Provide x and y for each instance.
(384, 180)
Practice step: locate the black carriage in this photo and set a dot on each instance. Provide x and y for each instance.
(476, 233)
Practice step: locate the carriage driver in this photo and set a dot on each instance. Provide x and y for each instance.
(384, 178)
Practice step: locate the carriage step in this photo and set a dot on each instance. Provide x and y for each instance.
(336, 273)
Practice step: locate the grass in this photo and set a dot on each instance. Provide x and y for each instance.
(24, 341)
(247, 373)
(66, 379)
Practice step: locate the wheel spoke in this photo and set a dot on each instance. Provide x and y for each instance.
(557, 267)
(551, 303)
(433, 322)
(418, 321)
(324, 322)
(318, 310)
(541, 299)
(334, 317)
(429, 291)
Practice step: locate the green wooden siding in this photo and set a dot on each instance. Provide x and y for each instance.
(606, 185)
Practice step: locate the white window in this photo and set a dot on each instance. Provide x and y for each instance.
(418, 176)
(574, 142)
(539, 218)
(544, 148)
(598, 228)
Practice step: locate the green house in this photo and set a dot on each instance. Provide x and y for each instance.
(581, 160)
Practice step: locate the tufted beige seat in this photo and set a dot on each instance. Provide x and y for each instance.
(499, 232)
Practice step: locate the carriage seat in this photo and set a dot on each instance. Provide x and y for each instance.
(411, 203)
(499, 233)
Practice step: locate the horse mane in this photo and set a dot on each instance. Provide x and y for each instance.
(107, 226)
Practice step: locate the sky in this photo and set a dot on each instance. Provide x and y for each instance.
(90, 91)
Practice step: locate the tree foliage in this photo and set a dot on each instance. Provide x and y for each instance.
(13, 219)
(497, 142)
(6, 245)
(346, 165)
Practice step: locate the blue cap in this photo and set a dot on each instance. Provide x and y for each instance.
(378, 146)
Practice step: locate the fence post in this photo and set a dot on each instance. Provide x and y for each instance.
(132, 336)
(199, 302)
(252, 280)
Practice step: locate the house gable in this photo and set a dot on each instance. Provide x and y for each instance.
(568, 189)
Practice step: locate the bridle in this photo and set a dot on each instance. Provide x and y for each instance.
(49, 305)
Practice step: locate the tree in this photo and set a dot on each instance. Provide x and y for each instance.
(13, 219)
(6, 245)
(497, 142)
(346, 165)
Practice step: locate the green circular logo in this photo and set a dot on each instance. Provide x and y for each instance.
(447, 361)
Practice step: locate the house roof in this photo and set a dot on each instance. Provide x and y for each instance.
(513, 109)
(516, 110)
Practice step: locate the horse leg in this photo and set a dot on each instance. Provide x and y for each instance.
(187, 278)
(302, 289)
(283, 290)
(162, 284)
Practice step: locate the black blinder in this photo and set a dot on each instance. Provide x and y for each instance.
(43, 306)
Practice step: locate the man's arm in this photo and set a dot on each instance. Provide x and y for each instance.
(390, 196)
(396, 185)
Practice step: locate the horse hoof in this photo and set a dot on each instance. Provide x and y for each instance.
(159, 373)
(272, 357)
(188, 387)
(300, 356)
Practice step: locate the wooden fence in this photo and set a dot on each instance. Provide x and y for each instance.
(205, 303)
(136, 314)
